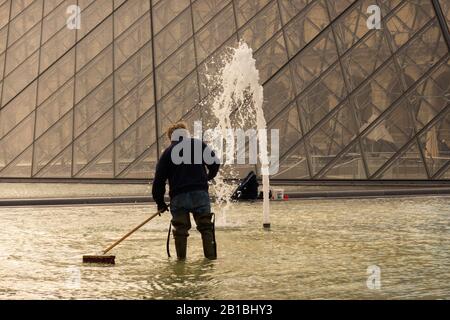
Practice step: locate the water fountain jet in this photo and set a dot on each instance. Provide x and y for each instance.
(237, 104)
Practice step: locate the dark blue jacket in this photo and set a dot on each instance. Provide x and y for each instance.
(183, 177)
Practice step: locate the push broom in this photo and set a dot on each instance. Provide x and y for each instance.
(109, 259)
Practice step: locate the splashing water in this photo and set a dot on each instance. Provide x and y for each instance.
(237, 103)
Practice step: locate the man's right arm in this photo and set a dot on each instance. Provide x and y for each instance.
(213, 164)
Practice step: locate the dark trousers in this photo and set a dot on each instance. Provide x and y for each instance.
(197, 203)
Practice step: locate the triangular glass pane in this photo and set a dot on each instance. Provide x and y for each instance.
(134, 105)
(337, 6)
(406, 21)
(102, 167)
(294, 166)
(14, 143)
(61, 167)
(431, 96)
(408, 166)
(193, 118)
(415, 65)
(321, 98)
(303, 27)
(271, 57)
(331, 138)
(352, 25)
(133, 71)
(313, 61)
(387, 137)
(135, 141)
(19, 168)
(203, 11)
(178, 103)
(435, 144)
(445, 5)
(17, 110)
(93, 141)
(349, 166)
(54, 108)
(144, 168)
(357, 67)
(51, 143)
(446, 175)
(131, 40)
(288, 125)
(172, 37)
(93, 106)
(24, 7)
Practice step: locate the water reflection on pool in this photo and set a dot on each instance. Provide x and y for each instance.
(316, 249)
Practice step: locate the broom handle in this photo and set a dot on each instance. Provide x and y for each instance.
(129, 234)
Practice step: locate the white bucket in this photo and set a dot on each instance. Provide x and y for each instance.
(278, 194)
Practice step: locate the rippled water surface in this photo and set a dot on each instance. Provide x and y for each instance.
(316, 249)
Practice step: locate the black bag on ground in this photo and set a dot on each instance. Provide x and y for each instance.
(247, 189)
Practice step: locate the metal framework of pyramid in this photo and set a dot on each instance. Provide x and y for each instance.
(351, 103)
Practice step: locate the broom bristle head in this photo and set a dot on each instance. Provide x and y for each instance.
(99, 259)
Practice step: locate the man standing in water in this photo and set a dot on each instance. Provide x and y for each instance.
(183, 165)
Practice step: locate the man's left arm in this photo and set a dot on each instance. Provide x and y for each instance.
(159, 184)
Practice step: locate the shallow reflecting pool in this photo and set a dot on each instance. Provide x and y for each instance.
(316, 249)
